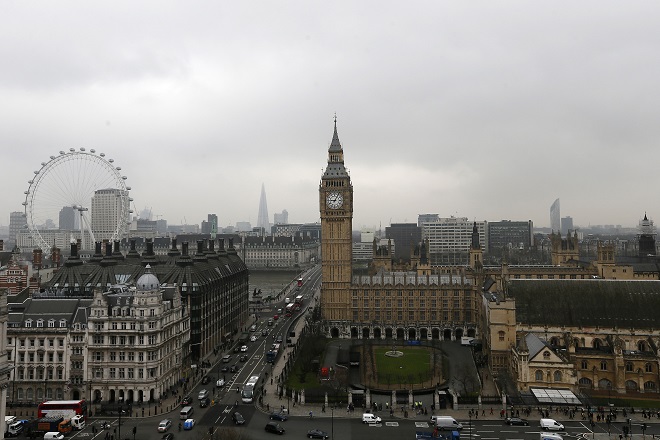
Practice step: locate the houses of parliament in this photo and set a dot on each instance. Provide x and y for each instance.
(582, 326)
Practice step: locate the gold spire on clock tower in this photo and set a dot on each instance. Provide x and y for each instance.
(336, 207)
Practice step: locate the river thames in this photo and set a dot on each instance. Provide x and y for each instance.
(271, 282)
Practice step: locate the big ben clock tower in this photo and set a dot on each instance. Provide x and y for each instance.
(336, 205)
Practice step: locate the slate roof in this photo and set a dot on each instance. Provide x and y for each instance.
(69, 309)
(587, 303)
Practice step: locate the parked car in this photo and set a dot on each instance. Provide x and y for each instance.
(186, 401)
(164, 425)
(516, 421)
(280, 416)
(226, 358)
(220, 383)
(244, 348)
(253, 338)
(238, 418)
(274, 427)
(317, 433)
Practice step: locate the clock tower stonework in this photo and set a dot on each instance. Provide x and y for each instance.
(336, 206)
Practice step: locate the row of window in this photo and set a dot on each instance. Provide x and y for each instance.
(40, 323)
(32, 342)
(29, 394)
(631, 385)
(41, 357)
(388, 292)
(648, 367)
(39, 373)
(123, 340)
(418, 315)
(419, 303)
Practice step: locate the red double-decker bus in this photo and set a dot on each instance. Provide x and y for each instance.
(62, 408)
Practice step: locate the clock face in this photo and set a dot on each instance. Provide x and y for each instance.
(334, 200)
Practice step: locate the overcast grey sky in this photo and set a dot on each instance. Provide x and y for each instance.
(485, 110)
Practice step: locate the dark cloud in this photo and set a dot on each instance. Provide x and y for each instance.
(487, 110)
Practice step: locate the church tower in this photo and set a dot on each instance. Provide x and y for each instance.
(336, 206)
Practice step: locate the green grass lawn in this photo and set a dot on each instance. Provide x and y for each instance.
(413, 367)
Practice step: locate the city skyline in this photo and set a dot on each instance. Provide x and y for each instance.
(488, 112)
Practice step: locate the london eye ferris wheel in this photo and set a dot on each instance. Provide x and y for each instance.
(70, 181)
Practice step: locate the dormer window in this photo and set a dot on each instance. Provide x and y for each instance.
(51, 323)
(28, 323)
(40, 322)
(62, 323)
(546, 355)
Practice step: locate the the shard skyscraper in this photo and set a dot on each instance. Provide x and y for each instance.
(262, 220)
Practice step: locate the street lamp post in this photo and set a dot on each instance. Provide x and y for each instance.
(121, 409)
(332, 411)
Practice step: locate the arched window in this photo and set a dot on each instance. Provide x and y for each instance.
(603, 365)
(584, 365)
(641, 345)
(596, 343)
(546, 355)
(557, 376)
(538, 375)
(629, 366)
(648, 368)
(585, 381)
(631, 385)
(501, 335)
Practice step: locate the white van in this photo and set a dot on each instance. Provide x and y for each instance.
(446, 422)
(551, 425)
(186, 412)
(370, 418)
(53, 436)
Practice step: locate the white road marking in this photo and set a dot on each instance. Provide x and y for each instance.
(392, 424)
